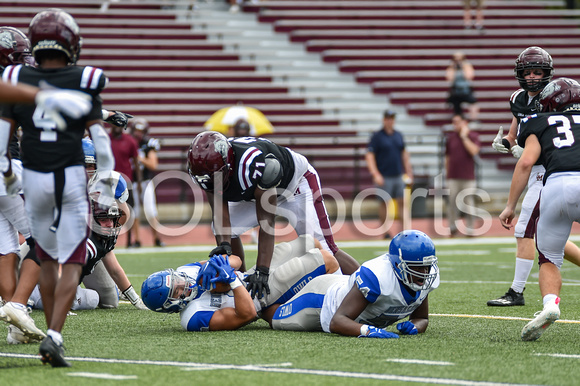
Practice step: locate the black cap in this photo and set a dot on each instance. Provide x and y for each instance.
(389, 113)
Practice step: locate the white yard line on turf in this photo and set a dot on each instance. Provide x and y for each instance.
(343, 374)
(500, 317)
(569, 356)
(420, 362)
(113, 377)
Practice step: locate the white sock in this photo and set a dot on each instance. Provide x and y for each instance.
(56, 336)
(523, 269)
(551, 297)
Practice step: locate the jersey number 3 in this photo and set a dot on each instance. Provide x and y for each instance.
(563, 128)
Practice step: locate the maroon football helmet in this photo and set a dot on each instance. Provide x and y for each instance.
(14, 48)
(54, 29)
(209, 157)
(530, 58)
(559, 95)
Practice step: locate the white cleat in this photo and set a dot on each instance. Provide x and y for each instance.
(543, 319)
(15, 336)
(18, 316)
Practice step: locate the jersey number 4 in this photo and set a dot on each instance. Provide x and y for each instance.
(565, 128)
(47, 125)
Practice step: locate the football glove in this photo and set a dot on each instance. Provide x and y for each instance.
(119, 119)
(258, 282)
(225, 273)
(498, 143)
(56, 102)
(407, 328)
(135, 300)
(223, 249)
(206, 273)
(13, 184)
(375, 332)
(517, 151)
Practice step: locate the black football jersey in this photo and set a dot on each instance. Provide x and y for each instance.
(44, 148)
(521, 106)
(250, 154)
(559, 136)
(97, 248)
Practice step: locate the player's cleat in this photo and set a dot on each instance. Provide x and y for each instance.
(52, 353)
(19, 317)
(543, 319)
(511, 298)
(15, 336)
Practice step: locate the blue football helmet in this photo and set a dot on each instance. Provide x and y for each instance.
(410, 250)
(168, 291)
(90, 153)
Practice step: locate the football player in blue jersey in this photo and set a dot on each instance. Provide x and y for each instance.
(210, 296)
(551, 135)
(381, 292)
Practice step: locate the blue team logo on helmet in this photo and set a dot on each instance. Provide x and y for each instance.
(412, 254)
(168, 291)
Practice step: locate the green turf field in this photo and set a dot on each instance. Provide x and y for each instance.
(467, 343)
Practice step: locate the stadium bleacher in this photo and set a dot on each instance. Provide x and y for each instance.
(162, 66)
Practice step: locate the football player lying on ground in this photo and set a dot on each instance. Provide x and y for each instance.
(381, 292)
(228, 305)
(101, 280)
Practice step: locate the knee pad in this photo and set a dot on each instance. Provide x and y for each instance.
(85, 299)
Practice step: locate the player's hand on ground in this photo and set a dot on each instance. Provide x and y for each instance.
(407, 328)
(498, 143)
(258, 282)
(223, 249)
(375, 332)
(225, 272)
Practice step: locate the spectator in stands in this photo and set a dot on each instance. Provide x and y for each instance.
(240, 129)
(126, 152)
(460, 75)
(478, 5)
(390, 166)
(461, 148)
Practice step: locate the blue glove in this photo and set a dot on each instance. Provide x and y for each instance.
(206, 273)
(225, 273)
(375, 332)
(407, 328)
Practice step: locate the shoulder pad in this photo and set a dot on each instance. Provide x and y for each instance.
(273, 173)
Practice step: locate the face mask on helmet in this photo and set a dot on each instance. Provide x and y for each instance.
(534, 58)
(559, 95)
(105, 222)
(412, 254)
(168, 291)
(210, 161)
